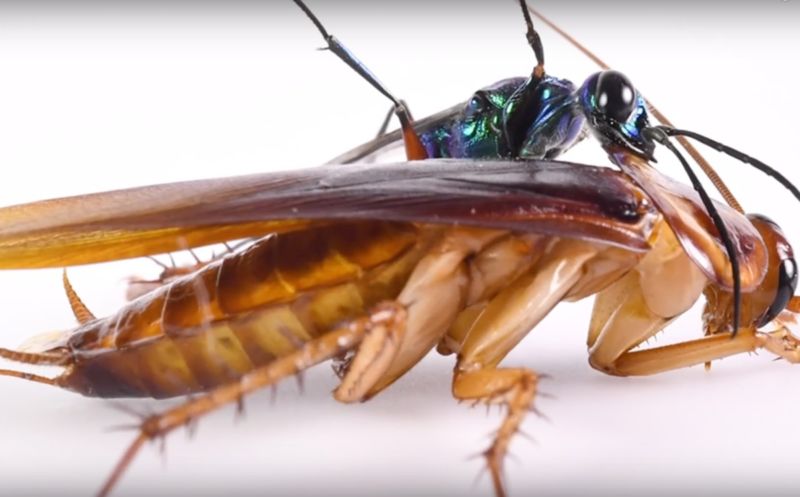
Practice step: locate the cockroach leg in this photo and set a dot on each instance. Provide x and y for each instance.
(433, 295)
(635, 308)
(374, 356)
(79, 309)
(665, 284)
(516, 388)
(781, 343)
(313, 352)
(703, 350)
(499, 328)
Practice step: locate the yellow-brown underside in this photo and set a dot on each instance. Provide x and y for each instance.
(243, 311)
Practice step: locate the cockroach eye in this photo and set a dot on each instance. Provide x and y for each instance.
(787, 282)
(615, 96)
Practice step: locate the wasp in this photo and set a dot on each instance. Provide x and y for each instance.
(602, 217)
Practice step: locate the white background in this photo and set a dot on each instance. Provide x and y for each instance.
(93, 98)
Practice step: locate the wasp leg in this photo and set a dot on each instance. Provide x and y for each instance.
(327, 346)
(388, 118)
(505, 321)
(384, 129)
(415, 150)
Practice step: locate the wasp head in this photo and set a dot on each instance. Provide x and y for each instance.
(615, 112)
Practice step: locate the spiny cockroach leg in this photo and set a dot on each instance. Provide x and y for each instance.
(625, 320)
(692, 352)
(505, 320)
(313, 352)
(139, 286)
(161, 264)
(516, 388)
(374, 355)
(79, 309)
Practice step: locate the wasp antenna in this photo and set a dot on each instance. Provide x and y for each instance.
(659, 136)
(572, 41)
(79, 309)
(534, 40)
(740, 156)
(696, 155)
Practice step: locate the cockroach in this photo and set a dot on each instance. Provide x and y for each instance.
(628, 217)
(138, 286)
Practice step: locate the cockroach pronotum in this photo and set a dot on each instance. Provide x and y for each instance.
(600, 216)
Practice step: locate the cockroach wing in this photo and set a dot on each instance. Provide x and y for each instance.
(683, 209)
(554, 198)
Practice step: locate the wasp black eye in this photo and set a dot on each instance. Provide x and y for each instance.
(787, 282)
(615, 96)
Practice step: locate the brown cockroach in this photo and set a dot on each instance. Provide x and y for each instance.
(467, 256)
(136, 286)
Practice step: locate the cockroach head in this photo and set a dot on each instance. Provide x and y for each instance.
(781, 280)
(616, 112)
(768, 301)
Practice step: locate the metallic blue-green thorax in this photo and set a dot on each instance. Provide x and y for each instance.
(553, 123)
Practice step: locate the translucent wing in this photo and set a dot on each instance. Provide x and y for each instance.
(684, 211)
(543, 196)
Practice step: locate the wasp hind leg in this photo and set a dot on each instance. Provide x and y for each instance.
(415, 150)
(328, 346)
